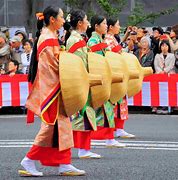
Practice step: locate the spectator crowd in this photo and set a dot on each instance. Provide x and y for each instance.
(157, 49)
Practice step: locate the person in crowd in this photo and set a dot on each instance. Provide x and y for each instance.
(26, 56)
(173, 40)
(4, 52)
(13, 68)
(144, 54)
(132, 42)
(168, 30)
(164, 64)
(5, 30)
(155, 39)
(15, 44)
(104, 114)
(21, 34)
(52, 145)
(140, 33)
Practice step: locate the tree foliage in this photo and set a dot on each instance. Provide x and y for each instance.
(112, 8)
(138, 15)
(109, 8)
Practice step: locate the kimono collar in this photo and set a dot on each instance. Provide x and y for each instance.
(97, 36)
(76, 34)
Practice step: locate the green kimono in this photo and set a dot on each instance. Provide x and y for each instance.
(86, 118)
(105, 114)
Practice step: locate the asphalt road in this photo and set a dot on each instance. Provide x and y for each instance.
(153, 155)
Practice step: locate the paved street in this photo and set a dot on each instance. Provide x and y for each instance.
(153, 155)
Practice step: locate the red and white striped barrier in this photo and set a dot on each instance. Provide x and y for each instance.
(157, 90)
(13, 90)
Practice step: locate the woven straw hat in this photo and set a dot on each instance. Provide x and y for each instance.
(135, 85)
(75, 82)
(97, 65)
(118, 65)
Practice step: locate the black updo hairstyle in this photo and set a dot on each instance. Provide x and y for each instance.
(75, 16)
(111, 22)
(95, 20)
(48, 12)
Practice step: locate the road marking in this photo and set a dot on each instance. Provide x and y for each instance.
(98, 141)
(16, 140)
(99, 147)
(130, 144)
(134, 141)
(14, 116)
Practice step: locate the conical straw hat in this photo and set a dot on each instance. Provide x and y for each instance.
(97, 64)
(75, 82)
(135, 85)
(118, 65)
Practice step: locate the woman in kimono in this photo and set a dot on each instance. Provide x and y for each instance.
(104, 114)
(84, 121)
(121, 109)
(52, 145)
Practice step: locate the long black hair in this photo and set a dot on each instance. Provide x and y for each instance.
(47, 13)
(167, 43)
(95, 20)
(74, 17)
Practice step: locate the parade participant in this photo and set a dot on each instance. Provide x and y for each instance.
(121, 109)
(82, 122)
(104, 114)
(53, 143)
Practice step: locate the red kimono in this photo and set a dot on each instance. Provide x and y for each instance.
(54, 140)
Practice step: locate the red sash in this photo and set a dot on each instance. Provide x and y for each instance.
(116, 48)
(77, 45)
(98, 47)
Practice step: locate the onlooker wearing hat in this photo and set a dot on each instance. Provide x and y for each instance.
(155, 39)
(4, 52)
(168, 30)
(5, 30)
(15, 44)
(21, 34)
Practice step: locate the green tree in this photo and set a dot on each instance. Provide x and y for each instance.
(112, 8)
(138, 15)
(109, 8)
